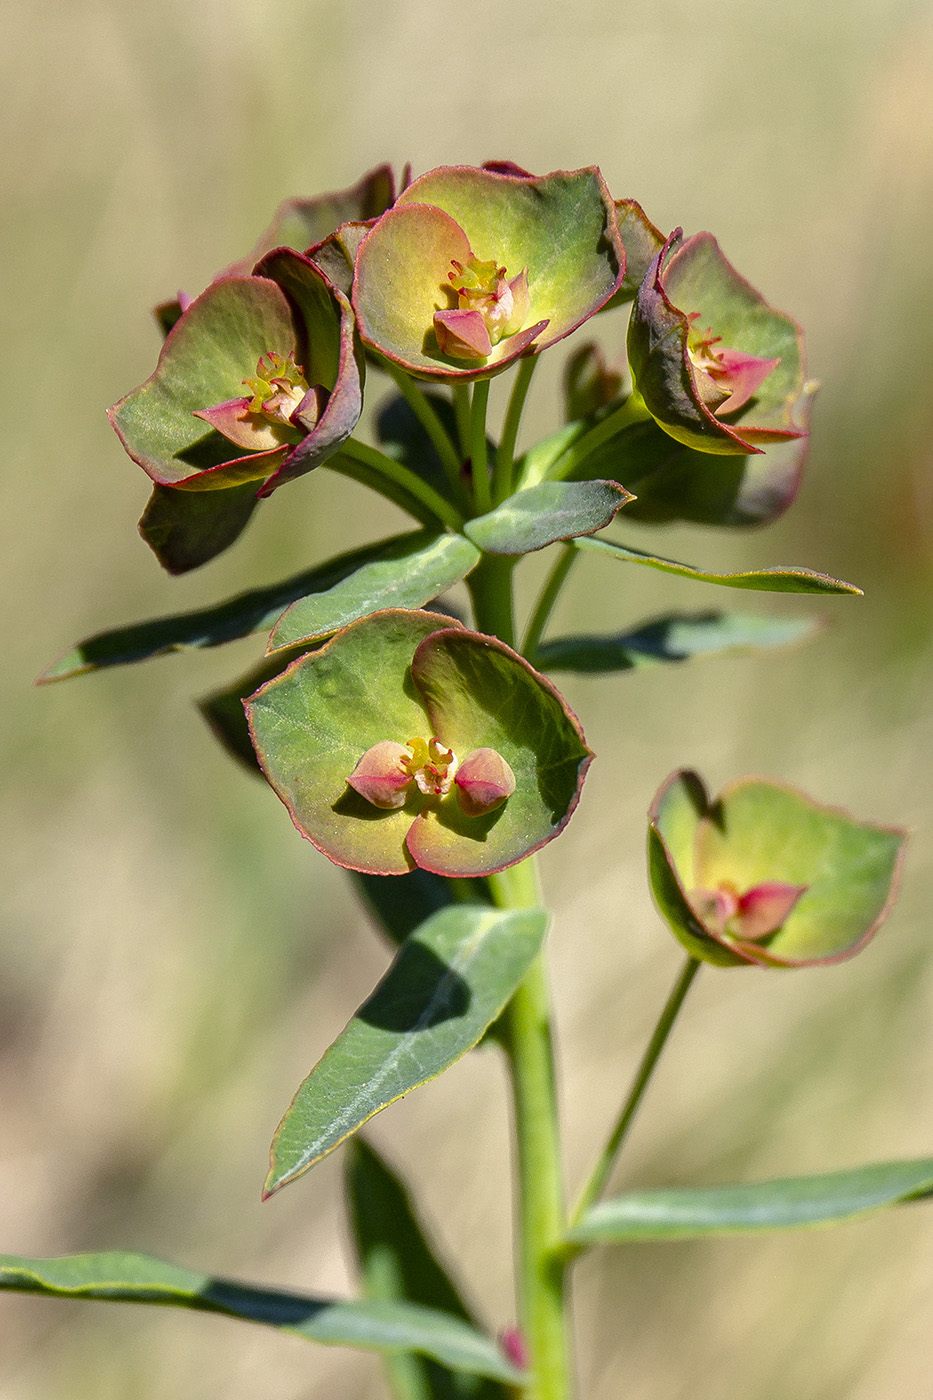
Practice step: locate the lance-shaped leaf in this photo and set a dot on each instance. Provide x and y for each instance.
(450, 981)
(254, 611)
(458, 243)
(212, 415)
(555, 510)
(369, 1325)
(777, 580)
(765, 876)
(718, 368)
(399, 903)
(416, 570)
(676, 637)
(689, 1213)
(398, 1263)
(673, 482)
(401, 680)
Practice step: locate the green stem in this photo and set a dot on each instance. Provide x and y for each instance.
(478, 458)
(462, 409)
(527, 1039)
(505, 456)
(490, 586)
(548, 598)
(381, 465)
(662, 1030)
(573, 457)
(428, 417)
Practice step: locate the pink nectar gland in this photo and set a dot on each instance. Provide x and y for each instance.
(726, 379)
(277, 387)
(388, 773)
(751, 916)
(490, 306)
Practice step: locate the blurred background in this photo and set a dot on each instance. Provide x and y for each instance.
(175, 958)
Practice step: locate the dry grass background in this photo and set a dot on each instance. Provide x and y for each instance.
(175, 957)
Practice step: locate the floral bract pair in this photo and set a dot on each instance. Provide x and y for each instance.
(718, 368)
(764, 875)
(473, 267)
(408, 740)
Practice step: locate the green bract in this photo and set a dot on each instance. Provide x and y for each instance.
(718, 368)
(398, 676)
(765, 875)
(259, 381)
(302, 224)
(472, 267)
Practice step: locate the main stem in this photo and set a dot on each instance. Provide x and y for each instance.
(541, 1205)
(541, 1223)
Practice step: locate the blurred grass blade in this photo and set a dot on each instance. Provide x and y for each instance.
(790, 1204)
(778, 580)
(371, 1325)
(450, 981)
(541, 515)
(677, 637)
(413, 572)
(399, 1265)
(255, 611)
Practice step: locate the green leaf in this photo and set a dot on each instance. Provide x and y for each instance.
(399, 1265)
(399, 903)
(777, 580)
(372, 1326)
(673, 482)
(554, 510)
(676, 637)
(410, 573)
(450, 981)
(255, 611)
(687, 1213)
(185, 529)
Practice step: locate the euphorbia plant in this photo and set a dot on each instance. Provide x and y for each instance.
(430, 754)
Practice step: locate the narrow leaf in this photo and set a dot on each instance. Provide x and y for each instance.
(409, 574)
(255, 611)
(373, 1326)
(793, 1203)
(777, 580)
(676, 637)
(399, 1265)
(543, 514)
(452, 978)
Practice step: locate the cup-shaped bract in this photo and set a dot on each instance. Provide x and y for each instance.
(302, 223)
(363, 741)
(718, 368)
(764, 875)
(473, 267)
(258, 381)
